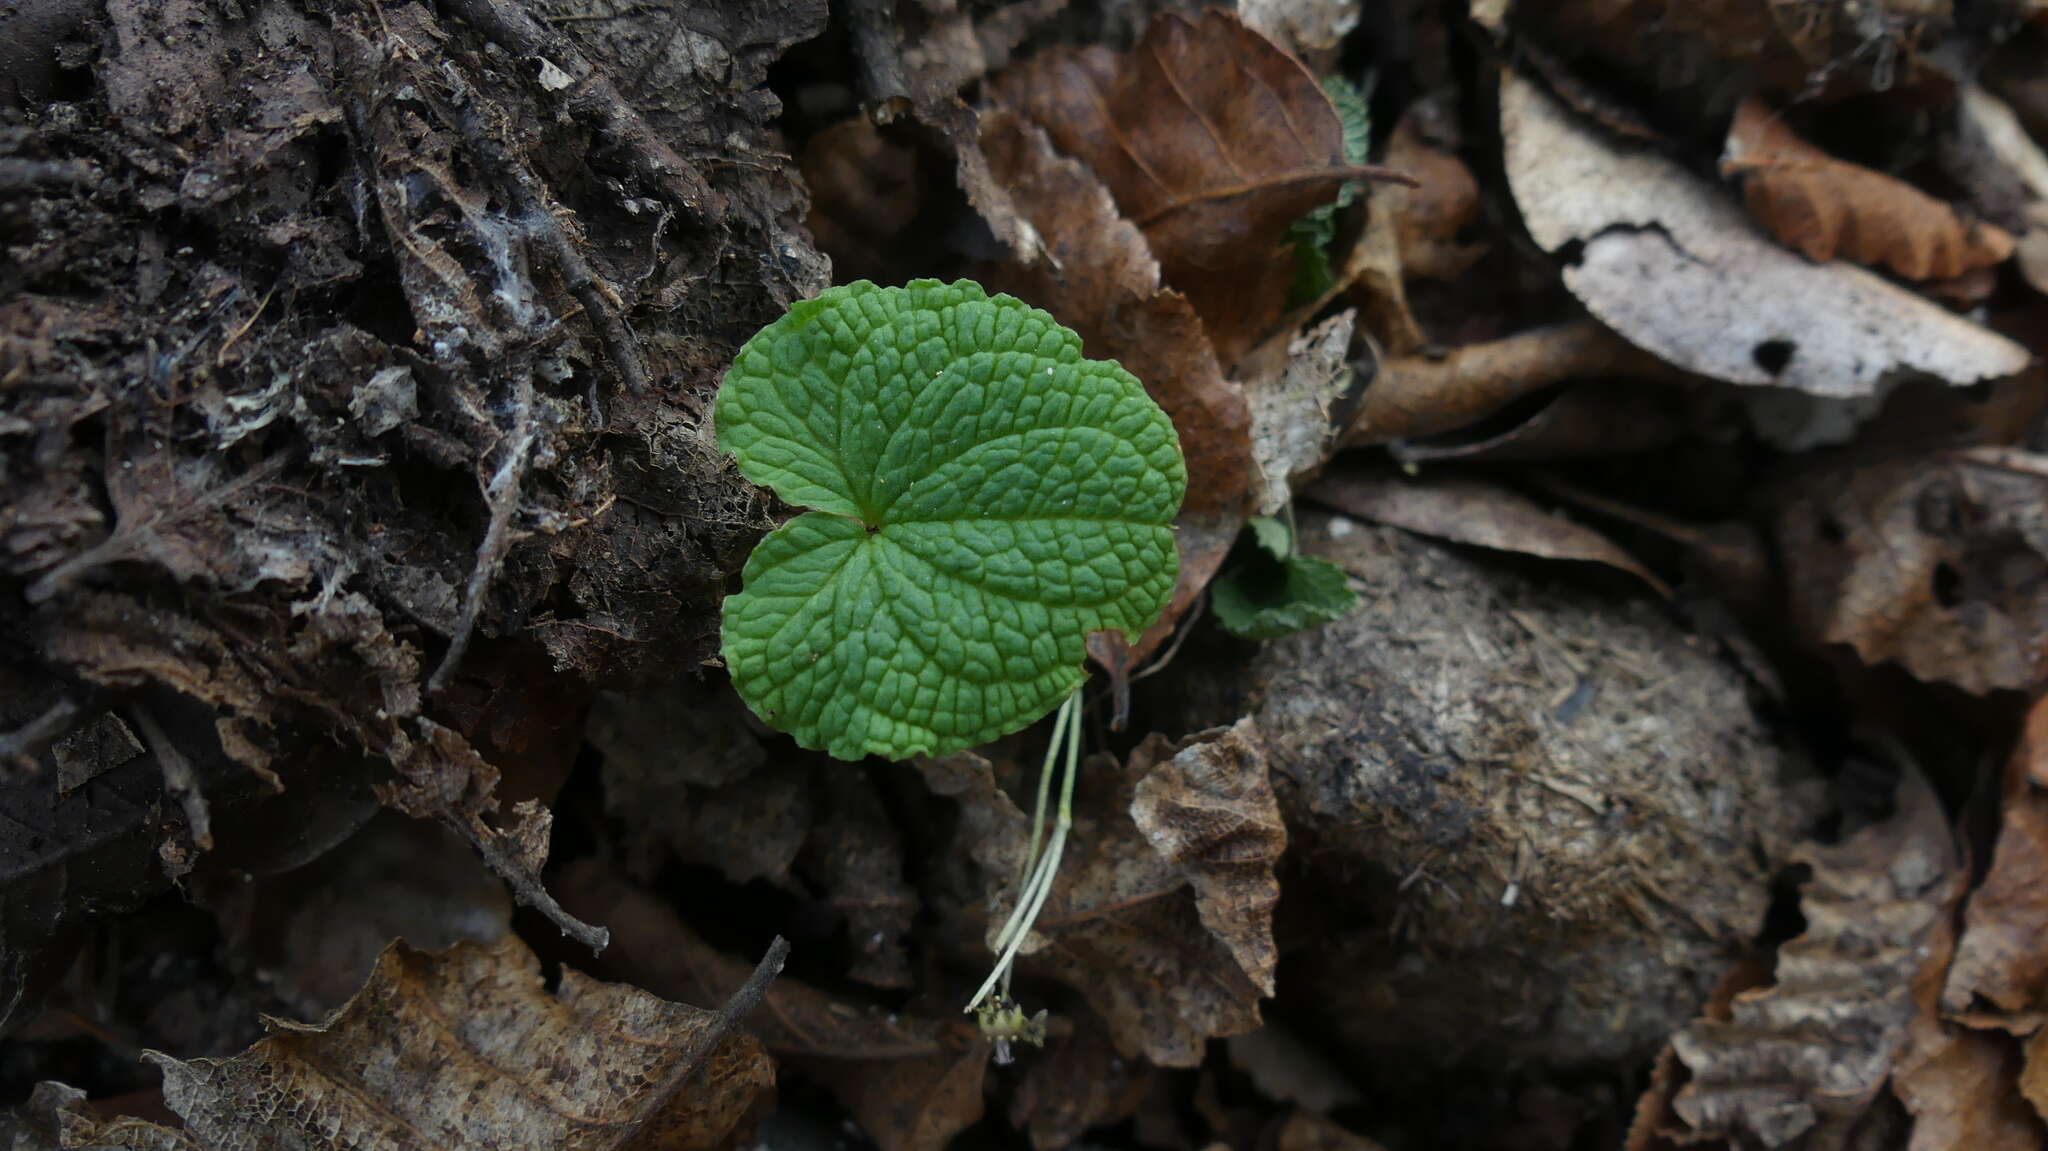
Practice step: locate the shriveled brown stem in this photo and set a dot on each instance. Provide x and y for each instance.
(179, 779)
(503, 497)
(18, 748)
(526, 886)
(1423, 395)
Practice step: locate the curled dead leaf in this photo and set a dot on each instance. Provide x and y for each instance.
(1424, 394)
(1162, 913)
(1810, 1052)
(1826, 207)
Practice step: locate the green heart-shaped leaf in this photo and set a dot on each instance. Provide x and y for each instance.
(985, 498)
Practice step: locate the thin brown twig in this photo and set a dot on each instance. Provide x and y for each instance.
(502, 496)
(526, 887)
(18, 748)
(179, 779)
(738, 1006)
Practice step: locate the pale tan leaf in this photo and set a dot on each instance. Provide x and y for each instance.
(1671, 263)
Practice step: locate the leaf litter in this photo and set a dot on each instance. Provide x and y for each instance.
(356, 449)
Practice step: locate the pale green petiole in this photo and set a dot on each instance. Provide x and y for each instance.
(1040, 870)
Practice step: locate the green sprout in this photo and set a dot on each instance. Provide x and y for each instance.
(981, 497)
(1278, 591)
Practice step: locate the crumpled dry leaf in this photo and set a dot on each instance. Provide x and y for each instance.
(1964, 1088)
(1826, 207)
(911, 1082)
(916, 59)
(1212, 140)
(467, 1049)
(1162, 914)
(1669, 262)
(1810, 1052)
(1292, 433)
(1932, 562)
(2000, 964)
(1107, 287)
(1468, 510)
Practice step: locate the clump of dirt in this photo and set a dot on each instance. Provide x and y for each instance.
(1554, 815)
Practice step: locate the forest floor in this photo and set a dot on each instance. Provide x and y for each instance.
(1600, 703)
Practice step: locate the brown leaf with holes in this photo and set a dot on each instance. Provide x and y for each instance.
(1936, 563)
(1107, 287)
(1213, 141)
(2000, 964)
(466, 1048)
(1162, 914)
(1810, 1052)
(1468, 510)
(1826, 207)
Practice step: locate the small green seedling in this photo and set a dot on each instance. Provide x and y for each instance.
(1278, 591)
(982, 497)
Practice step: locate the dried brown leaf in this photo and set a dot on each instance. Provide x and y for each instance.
(1473, 511)
(1592, 419)
(1302, 1131)
(1431, 218)
(1161, 916)
(2001, 964)
(1080, 1083)
(1428, 394)
(911, 1082)
(1812, 1051)
(1961, 1086)
(1826, 207)
(1934, 563)
(467, 1049)
(315, 932)
(1107, 287)
(1213, 141)
(1672, 264)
